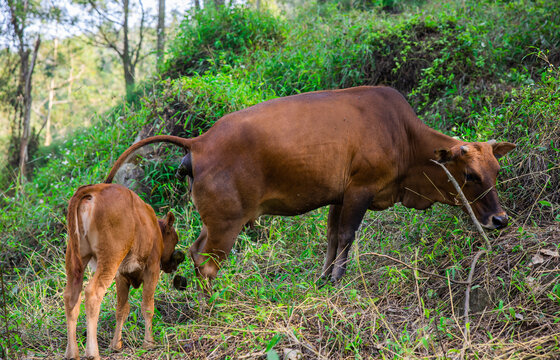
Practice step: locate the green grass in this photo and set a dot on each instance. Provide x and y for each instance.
(266, 297)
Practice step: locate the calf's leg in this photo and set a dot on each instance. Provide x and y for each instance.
(123, 309)
(95, 291)
(72, 292)
(151, 276)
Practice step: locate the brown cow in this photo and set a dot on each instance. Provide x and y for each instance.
(110, 227)
(353, 149)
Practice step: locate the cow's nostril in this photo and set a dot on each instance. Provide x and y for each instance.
(500, 221)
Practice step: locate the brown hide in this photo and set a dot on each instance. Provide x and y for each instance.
(353, 149)
(111, 228)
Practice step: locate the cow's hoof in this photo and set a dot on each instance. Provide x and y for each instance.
(335, 280)
(323, 280)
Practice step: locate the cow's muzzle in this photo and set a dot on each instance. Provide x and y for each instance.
(497, 222)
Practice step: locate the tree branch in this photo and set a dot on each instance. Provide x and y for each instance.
(139, 46)
(466, 204)
(103, 15)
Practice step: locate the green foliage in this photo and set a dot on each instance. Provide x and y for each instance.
(214, 39)
(188, 106)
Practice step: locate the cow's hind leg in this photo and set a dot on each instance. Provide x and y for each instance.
(213, 246)
(354, 206)
(95, 291)
(332, 237)
(123, 308)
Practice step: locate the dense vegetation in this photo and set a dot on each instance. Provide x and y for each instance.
(473, 69)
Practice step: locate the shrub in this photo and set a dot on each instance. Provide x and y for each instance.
(212, 39)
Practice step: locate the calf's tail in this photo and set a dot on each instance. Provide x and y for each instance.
(179, 141)
(74, 266)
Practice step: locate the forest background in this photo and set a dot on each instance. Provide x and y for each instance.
(473, 69)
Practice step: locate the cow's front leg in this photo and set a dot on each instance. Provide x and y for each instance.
(332, 238)
(123, 308)
(354, 206)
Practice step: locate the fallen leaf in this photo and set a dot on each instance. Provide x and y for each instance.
(292, 354)
(537, 259)
(550, 252)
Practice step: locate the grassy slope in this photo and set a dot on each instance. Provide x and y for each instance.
(266, 297)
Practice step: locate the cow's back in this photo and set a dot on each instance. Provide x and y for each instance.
(301, 152)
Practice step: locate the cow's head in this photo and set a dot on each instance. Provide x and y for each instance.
(170, 258)
(475, 167)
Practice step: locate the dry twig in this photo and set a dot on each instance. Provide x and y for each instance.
(477, 256)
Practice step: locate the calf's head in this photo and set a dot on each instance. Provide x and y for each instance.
(475, 167)
(170, 258)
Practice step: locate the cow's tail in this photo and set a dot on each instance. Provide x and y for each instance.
(179, 141)
(74, 266)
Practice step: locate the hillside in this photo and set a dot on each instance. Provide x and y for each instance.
(476, 70)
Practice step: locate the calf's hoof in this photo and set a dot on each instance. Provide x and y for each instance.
(72, 353)
(116, 345)
(149, 344)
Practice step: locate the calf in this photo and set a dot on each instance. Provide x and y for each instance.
(117, 233)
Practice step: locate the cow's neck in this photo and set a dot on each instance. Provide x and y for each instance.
(423, 181)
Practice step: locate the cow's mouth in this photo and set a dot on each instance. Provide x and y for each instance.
(496, 222)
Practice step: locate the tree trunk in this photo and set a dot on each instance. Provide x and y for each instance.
(27, 101)
(197, 4)
(127, 63)
(161, 30)
(48, 136)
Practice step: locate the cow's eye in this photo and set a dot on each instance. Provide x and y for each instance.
(470, 177)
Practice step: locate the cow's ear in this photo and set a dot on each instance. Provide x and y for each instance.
(502, 148)
(170, 219)
(443, 155)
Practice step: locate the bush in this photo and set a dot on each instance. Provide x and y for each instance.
(212, 39)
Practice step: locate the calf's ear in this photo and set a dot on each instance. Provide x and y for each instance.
(443, 156)
(501, 148)
(169, 219)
